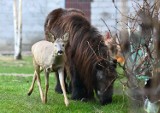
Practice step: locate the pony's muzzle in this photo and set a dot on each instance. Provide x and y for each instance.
(106, 101)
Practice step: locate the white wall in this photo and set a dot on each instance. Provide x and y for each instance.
(106, 10)
(34, 13)
(103, 9)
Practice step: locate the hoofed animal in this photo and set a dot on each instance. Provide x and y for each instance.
(87, 58)
(51, 18)
(50, 57)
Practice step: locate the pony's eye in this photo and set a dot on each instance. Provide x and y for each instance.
(63, 45)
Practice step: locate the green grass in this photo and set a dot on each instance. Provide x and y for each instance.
(9, 65)
(14, 98)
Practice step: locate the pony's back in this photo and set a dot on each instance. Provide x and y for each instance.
(54, 19)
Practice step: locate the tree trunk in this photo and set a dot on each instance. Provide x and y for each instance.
(17, 13)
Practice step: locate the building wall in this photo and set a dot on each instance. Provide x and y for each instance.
(103, 9)
(83, 5)
(35, 11)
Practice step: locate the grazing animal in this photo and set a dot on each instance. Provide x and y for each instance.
(51, 18)
(49, 57)
(87, 57)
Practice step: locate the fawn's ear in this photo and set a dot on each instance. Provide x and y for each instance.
(65, 37)
(52, 38)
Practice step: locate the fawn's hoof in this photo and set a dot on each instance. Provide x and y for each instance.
(44, 101)
(29, 93)
(66, 103)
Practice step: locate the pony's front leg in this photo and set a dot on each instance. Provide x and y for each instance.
(79, 91)
(46, 84)
(61, 78)
(58, 86)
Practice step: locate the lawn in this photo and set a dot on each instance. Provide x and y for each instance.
(14, 99)
(9, 65)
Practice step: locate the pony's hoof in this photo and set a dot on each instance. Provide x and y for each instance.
(84, 99)
(58, 90)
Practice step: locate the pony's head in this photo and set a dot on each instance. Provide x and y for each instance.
(105, 77)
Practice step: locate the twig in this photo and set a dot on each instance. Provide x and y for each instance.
(107, 26)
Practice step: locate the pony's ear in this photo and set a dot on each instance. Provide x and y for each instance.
(65, 37)
(52, 38)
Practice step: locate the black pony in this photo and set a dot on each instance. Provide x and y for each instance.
(87, 58)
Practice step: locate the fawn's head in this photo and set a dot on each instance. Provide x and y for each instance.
(59, 43)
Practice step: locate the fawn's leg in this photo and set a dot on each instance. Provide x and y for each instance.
(36, 68)
(39, 85)
(58, 86)
(32, 85)
(46, 85)
(61, 78)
